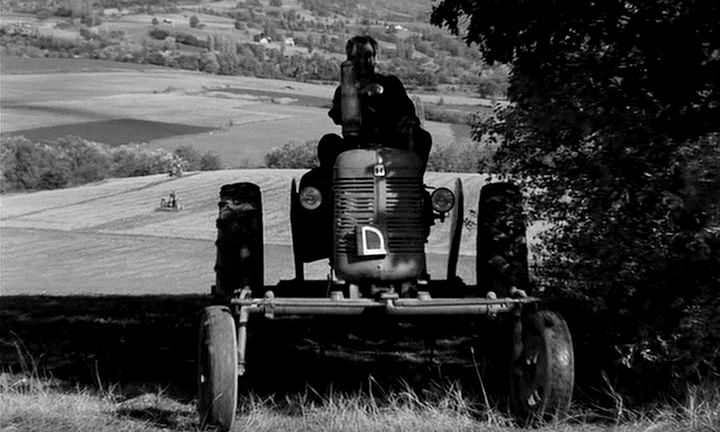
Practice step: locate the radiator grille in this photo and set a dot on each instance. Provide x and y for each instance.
(404, 218)
(355, 205)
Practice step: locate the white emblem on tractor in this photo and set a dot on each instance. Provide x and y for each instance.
(370, 241)
(379, 170)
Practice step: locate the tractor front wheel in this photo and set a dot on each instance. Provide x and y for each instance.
(217, 369)
(543, 370)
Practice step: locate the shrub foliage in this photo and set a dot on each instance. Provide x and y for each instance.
(452, 62)
(27, 165)
(194, 161)
(293, 154)
(451, 157)
(615, 117)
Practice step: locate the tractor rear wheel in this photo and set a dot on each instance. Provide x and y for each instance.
(502, 255)
(217, 369)
(239, 263)
(542, 375)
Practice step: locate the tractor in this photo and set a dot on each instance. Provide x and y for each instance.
(170, 203)
(370, 215)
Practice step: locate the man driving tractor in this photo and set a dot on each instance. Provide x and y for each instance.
(387, 113)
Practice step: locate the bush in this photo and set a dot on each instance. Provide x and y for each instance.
(134, 161)
(448, 115)
(227, 63)
(460, 157)
(63, 12)
(209, 63)
(188, 61)
(26, 165)
(55, 178)
(194, 21)
(210, 162)
(493, 82)
(43, 14)
(86, 160)
(71, 161)
(190, 39)
(189, 156)
(159, 34)
(293, 155)
(155, 58)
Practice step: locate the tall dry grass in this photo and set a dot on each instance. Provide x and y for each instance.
(30, 404)
(31, 400)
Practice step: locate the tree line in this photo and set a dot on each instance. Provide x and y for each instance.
(28, 165)
(614, 125)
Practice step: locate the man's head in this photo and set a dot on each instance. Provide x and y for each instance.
(361, 51)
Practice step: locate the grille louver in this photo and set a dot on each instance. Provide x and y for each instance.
(355, 205)
(404, 204)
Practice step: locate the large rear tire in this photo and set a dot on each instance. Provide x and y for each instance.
(217, 369)
(543, 374)
(502, 255)
(239, 263)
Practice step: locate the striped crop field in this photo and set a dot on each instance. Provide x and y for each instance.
(110, 238)
(238, 118)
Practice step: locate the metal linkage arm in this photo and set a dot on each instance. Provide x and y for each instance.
(271, 306)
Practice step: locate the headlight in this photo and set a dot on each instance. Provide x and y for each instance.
(310, 198)
(442, 199)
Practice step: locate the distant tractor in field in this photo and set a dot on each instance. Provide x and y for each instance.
(370, 216)
(170, 203)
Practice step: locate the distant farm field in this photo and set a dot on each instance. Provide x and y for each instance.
(117, 131)
(110, 237)
(238, 118)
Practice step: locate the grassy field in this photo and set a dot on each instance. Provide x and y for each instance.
(48, 409)
(100, 296)
(115, 241)
(100, 299)
(99, 291)
(109, 363)
(237, 118)
(99, 285)
(128, 206)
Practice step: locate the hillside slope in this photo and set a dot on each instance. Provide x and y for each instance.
(129, 206)
(241, 118)
(109, 237)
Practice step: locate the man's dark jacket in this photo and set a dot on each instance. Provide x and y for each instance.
(381, 113)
